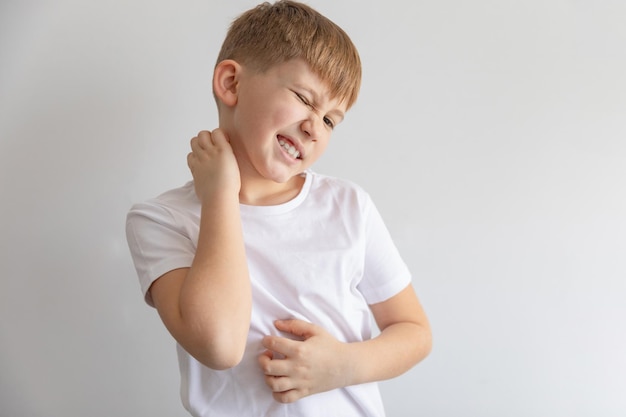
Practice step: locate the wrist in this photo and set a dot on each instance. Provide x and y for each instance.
(218, 196)
(349, 364)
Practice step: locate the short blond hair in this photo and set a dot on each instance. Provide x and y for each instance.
(271, 34)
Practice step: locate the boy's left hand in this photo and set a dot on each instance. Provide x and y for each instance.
(298, 368)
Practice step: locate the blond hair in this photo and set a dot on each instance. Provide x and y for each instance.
(271, 34)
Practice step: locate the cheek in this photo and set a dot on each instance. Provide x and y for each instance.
(268, 117)
(286, 115)
(318, 151)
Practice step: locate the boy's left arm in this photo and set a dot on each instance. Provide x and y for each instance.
(319, 362)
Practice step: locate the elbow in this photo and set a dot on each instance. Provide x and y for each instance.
(221, 362)
(216, 344)
(421, 344)
(220, 354)
(425, 344)
(428, 345)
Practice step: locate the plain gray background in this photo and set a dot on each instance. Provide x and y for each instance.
(491, 135)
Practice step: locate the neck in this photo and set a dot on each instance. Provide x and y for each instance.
(262, 192)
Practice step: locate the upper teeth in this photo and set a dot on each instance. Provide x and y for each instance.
(289, 148)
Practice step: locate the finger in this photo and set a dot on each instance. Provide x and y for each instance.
(278, 383)
(204, 139)
(297, 327)
(189, 159)
(271, 366)
(287, 396)
(199, 143)
(219, 137)
(267, 354)
(265, 360)
(196, 152)
(283, 346)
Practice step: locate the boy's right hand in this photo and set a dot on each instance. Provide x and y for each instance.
(213, 165)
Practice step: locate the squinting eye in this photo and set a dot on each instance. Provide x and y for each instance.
(329, 122)
(303, 99)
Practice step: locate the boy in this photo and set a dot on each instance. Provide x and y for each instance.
(265, 272)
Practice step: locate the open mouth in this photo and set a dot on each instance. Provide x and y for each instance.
(289, 147)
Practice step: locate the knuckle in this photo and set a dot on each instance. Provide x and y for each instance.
(274, 383)
(266, 368)
(270, 342)
(299, 350)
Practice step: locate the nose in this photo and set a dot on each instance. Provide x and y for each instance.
(311, 127)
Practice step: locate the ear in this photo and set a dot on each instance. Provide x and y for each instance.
(226, 81)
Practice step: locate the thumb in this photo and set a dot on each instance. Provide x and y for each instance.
(300, 328)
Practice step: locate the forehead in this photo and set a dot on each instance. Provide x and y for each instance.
(300, 75)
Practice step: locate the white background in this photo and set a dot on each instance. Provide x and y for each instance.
(491, 134)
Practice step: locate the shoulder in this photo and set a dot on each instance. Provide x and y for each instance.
(342, 190)
(174, 203)
(328, 183)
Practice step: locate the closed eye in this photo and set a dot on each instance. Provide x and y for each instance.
(304, 100)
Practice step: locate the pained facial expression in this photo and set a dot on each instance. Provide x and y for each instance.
(282, 121)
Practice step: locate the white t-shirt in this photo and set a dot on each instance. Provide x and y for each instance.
(321, 257)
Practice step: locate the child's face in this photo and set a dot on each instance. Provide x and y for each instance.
(282, 121)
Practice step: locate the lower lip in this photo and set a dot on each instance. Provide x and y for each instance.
(286, 154)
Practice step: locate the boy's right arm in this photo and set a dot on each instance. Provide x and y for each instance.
(207, 307)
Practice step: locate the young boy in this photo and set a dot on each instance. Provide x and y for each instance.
(265, 272)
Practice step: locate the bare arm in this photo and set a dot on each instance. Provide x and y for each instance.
(404, 341)
(207, 307)
(319, 362)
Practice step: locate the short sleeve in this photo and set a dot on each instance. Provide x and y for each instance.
(385, 272)
(157, 244)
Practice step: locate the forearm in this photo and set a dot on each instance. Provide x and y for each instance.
(215, 297)
(207, 306)
(316, 361)
(397, 349)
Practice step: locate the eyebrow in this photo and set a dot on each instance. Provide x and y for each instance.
(338, 114)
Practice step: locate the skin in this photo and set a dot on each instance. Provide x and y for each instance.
(207, 307)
